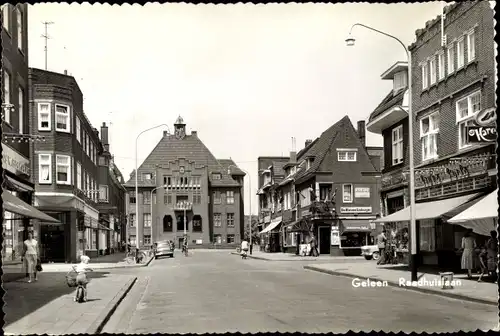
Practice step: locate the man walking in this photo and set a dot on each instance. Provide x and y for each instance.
(381, 241)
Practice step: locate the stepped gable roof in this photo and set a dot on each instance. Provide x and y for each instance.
(392, 99)
(190, 148)
(320, 147)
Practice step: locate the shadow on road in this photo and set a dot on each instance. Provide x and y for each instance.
(22, 298)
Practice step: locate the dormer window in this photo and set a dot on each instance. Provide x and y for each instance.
(400, 80)
(147, 176)
(309, 163)
(216, 176)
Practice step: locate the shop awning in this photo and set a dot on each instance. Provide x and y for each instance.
(355, 225)
(298, 226)
(427, 210)
(485, 208)
(16, 184)
(102, 227)
(13, 204)
(274, 223)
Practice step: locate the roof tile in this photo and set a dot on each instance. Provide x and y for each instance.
(392, 99)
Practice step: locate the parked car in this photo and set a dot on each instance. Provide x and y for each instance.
(370, 252)
(164, 249)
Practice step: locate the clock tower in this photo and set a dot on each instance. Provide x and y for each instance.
(180, 128)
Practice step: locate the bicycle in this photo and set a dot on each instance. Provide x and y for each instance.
(185, 250)
(80, 289)
(138, 258)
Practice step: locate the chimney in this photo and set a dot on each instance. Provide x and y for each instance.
(65, 72)
(293, 157)
(361, 132)
(104, 136)
(194, 133)
(308, 142)
(165, 134)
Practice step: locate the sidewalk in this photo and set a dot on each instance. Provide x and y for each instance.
(47, 306)
(292, 257)
(464, 289)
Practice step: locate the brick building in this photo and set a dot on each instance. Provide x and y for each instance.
(17, 175)
(64, 167)
(183, 188)
(336, 162)
(453, 81)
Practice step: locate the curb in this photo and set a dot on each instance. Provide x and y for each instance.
(253, 257)
(416, 289)
(132, 266)
(97, 326)
(267, 259)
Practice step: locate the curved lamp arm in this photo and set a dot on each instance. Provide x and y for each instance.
(378, 31)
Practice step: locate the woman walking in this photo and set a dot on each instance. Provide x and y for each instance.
(30, 253)
(468, 246)
(492, 255)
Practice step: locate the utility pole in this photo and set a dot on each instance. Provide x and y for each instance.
(46, 37)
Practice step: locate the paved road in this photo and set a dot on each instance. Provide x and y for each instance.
(214, 291)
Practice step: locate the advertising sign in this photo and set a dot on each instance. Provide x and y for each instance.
(14, 162)
(362, 192)
(486, 117)
(480, 134)
(352, 210)
(335, 236)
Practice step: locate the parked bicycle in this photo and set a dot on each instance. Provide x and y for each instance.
(137, 257)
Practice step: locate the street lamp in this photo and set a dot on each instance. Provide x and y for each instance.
(151, 201)
(350, 41)
(137, 188)
(249, 201)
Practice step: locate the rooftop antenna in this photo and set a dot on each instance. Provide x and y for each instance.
(46, 37)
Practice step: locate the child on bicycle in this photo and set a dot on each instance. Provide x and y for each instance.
(81, 275)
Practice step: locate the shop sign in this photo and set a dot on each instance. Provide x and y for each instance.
(486, 117)
(335, 236)
(393, 179)
(352, 210)
(14, 162)
(480, 134)
(362, 192)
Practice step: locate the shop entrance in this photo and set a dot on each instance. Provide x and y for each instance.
(52, 243)
(181, 240)
(324, 239)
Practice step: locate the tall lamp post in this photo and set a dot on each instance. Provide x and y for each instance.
(249, 200)
(413, 225)
(137, 188)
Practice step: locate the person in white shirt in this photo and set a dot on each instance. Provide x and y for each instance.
(31, 253)
(244, 245)
(81, 274)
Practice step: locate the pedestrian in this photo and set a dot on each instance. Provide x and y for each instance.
(314, 249)
(381, 241)
(251, 247)
(244, 247)
(483, 262)
(129, 246)
(30, 254)
(468, 246)
(492, 255)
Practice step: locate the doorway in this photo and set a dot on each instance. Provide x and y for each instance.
(52, 243)
(181, 240)
(324, 233)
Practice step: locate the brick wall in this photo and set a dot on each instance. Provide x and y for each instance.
(479, 74)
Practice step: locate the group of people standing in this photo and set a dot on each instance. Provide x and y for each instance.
(488, 255)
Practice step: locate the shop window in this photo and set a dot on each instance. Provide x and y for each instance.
(167, 223)
(132, 240)
(353, 239)
(428, 235)
(181, 224)
(230, 239)
(217, 238)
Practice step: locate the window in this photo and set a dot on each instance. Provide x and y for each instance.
(43, 116)
(92, 152)
(20, 32)
(132, 240)
(433, 68)
(230, 238)
(63, 169)
(451, 58)
(217, 220)
(397, 145)
(87, 144)
(471, 46)
(425, 75)
(103, 193)
(197, 227)
(230, 197)
(147, 239)
(216, 176)
(167, 198)
(460, 53)
(21, 109)
(346, 156)
(78, 130)
(196, 198)
(45, 168)
(85, 186)
(441, 66)
(147, 176)
(167, 223)
(181, 224)
(6, 17)
(88, 187)
(347, 193)
(147, 220)
(230, 219)
(429, 129)
(132, 197)
(427, 235)
(62, 118)
(95, 195)
(399, 80)
(79, 175)
(217, 239)
(6, 96)
(467, 108)
(217, 198)
(146, 196)
(132, 220)
(324, 192)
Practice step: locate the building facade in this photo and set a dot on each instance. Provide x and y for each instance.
(453, 83)
(17, 179)
(65, 167)
(185, 190)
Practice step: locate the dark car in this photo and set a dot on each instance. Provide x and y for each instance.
(164, 249)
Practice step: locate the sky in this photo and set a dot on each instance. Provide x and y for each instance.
(246, 77)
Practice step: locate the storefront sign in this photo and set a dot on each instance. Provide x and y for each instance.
(14, 162)
(362, 192)
(479, 134)
(351, 210)
(335, 236)
(486, 117)
(393, 179)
